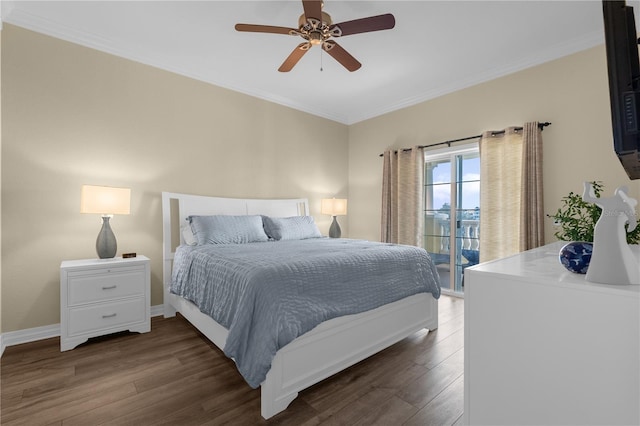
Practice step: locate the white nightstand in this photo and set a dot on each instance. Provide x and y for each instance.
(102, 296)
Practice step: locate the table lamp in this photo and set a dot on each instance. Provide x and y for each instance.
(334, 207)
(106, 201)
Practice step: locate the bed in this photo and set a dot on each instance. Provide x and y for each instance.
(327, 348)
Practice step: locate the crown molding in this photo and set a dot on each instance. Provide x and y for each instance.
(5, 9)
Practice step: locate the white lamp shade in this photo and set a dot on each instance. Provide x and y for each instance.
(334, 206)
(105, 200)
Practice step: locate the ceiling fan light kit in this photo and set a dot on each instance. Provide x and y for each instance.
(317, 28)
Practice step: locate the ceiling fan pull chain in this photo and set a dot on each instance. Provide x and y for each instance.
(321, 61)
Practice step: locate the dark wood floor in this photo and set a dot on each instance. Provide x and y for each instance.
(174, 376)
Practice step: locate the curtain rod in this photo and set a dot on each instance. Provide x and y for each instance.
(541, 126)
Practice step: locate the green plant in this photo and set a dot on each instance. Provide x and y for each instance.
(577, 218)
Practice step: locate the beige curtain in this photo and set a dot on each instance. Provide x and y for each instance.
(532, 206)
(511, 206)
(402, 196)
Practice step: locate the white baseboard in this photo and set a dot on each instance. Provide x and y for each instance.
(157, 310)
(18, 337)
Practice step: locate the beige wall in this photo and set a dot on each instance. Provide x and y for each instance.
(0, 178)
(73, 115)
(76, 116)
(571, 92)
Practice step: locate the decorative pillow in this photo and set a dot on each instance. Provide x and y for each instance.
(187, 235)
(222, 229)
(291, 228)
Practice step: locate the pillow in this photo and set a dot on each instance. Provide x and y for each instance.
(291, 228)
(187, 235)
(222, 229)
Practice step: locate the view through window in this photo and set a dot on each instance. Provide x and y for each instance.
(452, 203)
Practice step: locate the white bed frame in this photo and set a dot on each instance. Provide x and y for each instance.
(327, 349)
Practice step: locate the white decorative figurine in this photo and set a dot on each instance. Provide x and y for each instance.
(612, 261)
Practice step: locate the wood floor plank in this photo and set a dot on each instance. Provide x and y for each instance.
(172, 399)
(59, 392)
(360, 408)
(445, 409)
(138, 404)
(423, 389)
(395, 380)
(438, 353)
(393, 411)
(36, 377)
(59, 409)
(235, 393)
(174, 376)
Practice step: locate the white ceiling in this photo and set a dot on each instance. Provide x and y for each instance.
(435, 48)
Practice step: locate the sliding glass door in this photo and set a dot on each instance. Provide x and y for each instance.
(452, 212)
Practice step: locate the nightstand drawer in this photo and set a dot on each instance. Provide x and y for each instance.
(106, 315)
(105, 284)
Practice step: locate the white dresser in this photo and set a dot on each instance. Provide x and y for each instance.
(543, 346)
(102, 296)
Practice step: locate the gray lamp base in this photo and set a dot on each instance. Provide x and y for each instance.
(106, 245)
(334, 230)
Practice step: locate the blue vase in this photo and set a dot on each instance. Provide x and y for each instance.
(576, 256)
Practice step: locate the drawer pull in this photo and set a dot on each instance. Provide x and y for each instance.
(109, 316)
(109, 287)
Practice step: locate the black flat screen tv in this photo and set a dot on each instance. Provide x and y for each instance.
(621, 43)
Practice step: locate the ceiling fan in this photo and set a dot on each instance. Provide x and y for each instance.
(317, 28)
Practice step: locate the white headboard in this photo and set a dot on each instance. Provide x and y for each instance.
(177, 207)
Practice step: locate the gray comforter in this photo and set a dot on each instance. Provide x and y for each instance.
(267, 294)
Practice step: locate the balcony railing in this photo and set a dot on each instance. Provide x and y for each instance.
(438, 238)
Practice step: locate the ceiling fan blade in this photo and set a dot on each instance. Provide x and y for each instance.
(363, 25)
(341, 55)
(312, 9)
(294, 57)
(265, 29)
